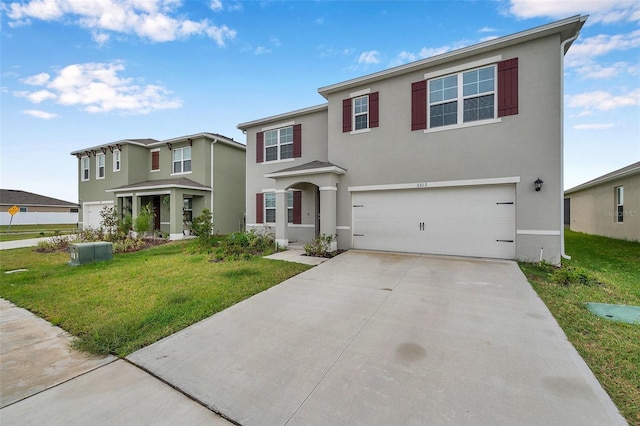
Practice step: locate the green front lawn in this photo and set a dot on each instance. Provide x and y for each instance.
(611, 349)
(122, 305)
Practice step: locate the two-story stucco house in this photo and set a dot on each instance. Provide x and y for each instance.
(179, 177)
(437, 156)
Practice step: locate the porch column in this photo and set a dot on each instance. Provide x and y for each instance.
(282, 218)
(175, 215)
(328, 212)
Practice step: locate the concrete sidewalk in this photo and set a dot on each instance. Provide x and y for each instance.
(31, 242)
(44, 382)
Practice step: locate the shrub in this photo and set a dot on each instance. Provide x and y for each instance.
(573, 275)
(53, 244)
(244, 245)
(320, 246)
(109, 220)
(202, 225)
(142, 223)
(126, 224)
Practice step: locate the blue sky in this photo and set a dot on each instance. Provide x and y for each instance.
(79, 73)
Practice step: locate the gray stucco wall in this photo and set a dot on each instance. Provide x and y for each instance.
(229, 188)
(593, 210)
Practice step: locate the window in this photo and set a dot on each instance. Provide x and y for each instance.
(24, 209)
(483, 93)
(187, 210)
(155, 160)
(182, 160)
(462, 98)
(270, 207)
(290, 207)
(619, 204)
(85, 169)
(100, 166)
(360, 112)
(116, 160)
(278, 144)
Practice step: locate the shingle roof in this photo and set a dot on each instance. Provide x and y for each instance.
(308, 166)
(630, 170)
(161, 183)
(24, 198)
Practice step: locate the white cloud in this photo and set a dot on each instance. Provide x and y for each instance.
(602, 101)
(597, 71)
(260, 50)
(583, 55)
(98, 87)
(36, 80)
(100, 38)
(275, 41)
(606, 11)
(40, 114)
(487, 30)
(215, 5)
(150, 19)
(594, 126)
(370, 57)
(427, 52)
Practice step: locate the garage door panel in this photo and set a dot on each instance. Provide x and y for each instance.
(466, 221)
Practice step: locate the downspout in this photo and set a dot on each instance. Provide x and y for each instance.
(212, 192)
(562, 53)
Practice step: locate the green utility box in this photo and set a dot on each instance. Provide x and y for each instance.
(82, 253)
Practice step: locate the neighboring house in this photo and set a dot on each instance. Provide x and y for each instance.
(608, 205)
(435, 156)
(178, 177)
(35, 209)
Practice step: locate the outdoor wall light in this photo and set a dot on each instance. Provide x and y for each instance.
(538, 184)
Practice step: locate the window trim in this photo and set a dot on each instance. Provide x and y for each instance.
(619, 204)
(460, 98)
(265, 208)
(355, 115)
(118, 161)
(83, 169)
(103, 167)
(182, 161)
(278, 145)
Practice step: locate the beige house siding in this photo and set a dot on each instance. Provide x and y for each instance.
(593, 210)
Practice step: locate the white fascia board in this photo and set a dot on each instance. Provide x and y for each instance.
(439, 184)
(599, 181)
(333, 169)
(282, 117)
(204, 135)
(487, 46)
(161, 187)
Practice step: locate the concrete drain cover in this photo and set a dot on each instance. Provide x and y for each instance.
(623, 313)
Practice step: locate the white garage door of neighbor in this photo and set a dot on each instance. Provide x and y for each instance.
(461, 221)
(91, 214)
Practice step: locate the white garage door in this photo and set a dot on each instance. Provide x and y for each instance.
(91, 214)
(462, 221)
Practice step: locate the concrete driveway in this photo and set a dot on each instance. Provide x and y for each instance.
(378, 338)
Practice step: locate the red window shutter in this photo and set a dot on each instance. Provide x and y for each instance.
(419, 105)
(508, 87)
(155, 160)
(373, 110)
(260, 147)
(297, 207)
(346, 115)
(297, 141)
(259, 207)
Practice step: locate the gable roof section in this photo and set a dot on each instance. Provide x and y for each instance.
(630, 170)
(567, 28)
(24, 198)
(284, 116)
(183, 183)
(311, 168)
(215, 137)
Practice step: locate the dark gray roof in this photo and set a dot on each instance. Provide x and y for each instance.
(308, 166)
(143, 141)
(161, 183)
(630, 170)
(24, 198)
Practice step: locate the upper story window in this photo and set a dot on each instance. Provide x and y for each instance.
(480, 94)
(619, 204)
(155, 160)
(182, 160)
(100, 166)
(360, 111)
(463, 97)
(116, 160)
(278, 144)
(84, 169)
